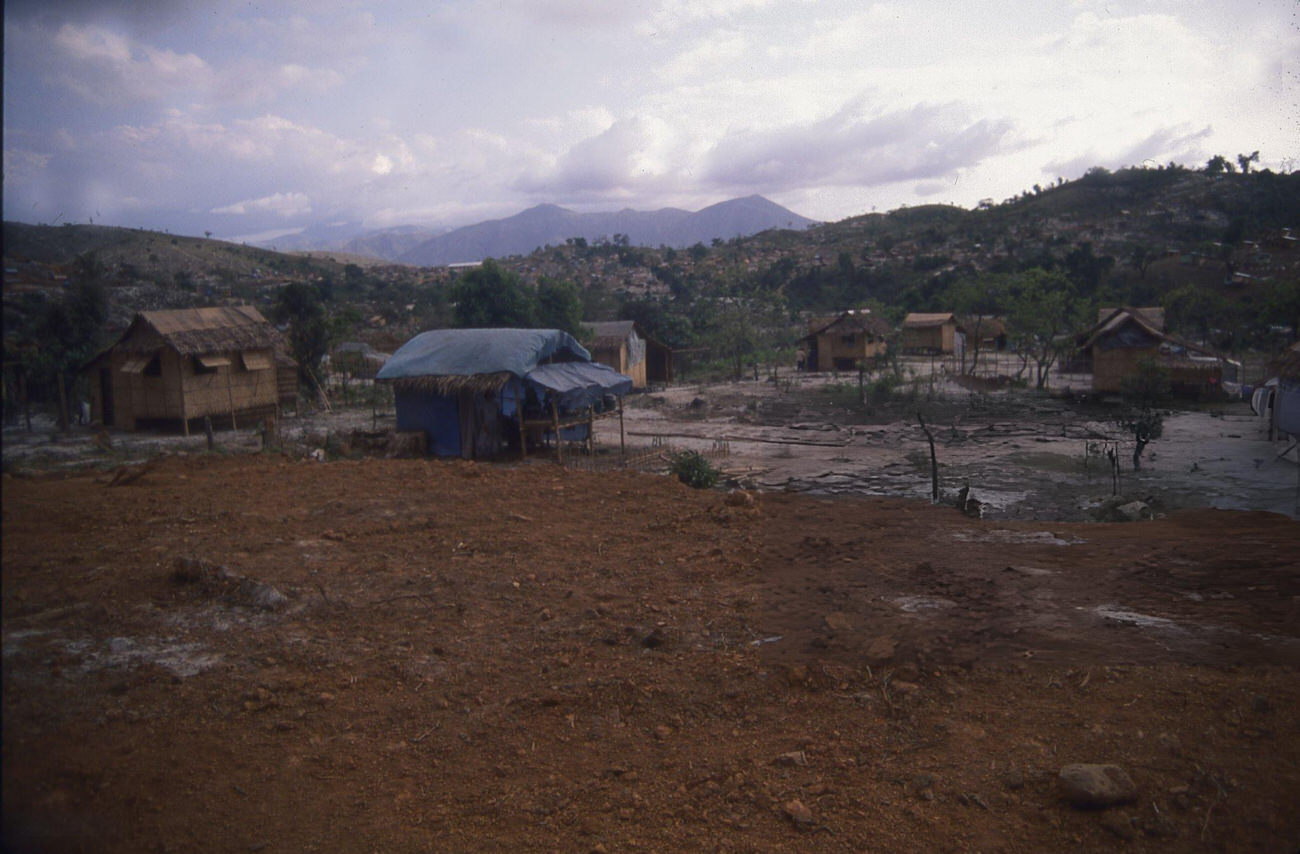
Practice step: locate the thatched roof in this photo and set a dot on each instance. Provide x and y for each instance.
(193, 331)
(610, 333)
(1153, 314)
(921, 320)
(448, 384)
(857, 321)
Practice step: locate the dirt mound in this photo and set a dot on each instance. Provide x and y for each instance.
(463, 657)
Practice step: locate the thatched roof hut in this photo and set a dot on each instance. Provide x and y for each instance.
(172, 367)
(625, 347)
(840, 342)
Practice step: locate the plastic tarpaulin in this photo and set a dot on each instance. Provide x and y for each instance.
(579, 384)
(465, 352)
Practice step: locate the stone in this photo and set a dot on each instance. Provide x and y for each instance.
(1134, 511)
(794, 757)
(1120, 824)
(797, 812)
(1096, 786)
(881, 649)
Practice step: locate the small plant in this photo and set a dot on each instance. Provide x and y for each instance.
(692, 469)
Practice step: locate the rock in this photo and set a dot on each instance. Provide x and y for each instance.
(1120, 824)
(903, 689)
(838, 622)
(797, 813)
(1134, 511)
(1013, 780)
(663, 731)
(739, 498)
(881, 649)
(794, 757)
(1094, 786)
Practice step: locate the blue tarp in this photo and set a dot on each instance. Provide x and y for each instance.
(465, 352)
(577, 385)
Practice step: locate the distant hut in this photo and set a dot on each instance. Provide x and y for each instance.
(480, 393)
(625, 347)
(1127, 336)
(172, 367)
(930, 334)
(839, 343)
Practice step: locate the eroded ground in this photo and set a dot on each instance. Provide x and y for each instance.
(258, 653)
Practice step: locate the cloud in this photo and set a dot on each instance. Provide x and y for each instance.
(281, 204)
(105, 67)
(1173, 144)
(851, 148)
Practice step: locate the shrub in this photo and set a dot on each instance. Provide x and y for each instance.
(692, 469)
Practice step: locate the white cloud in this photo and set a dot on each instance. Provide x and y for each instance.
(281, 204)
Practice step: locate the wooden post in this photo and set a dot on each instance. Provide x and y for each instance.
(591, 430)
(523, 431)
(622, 436)
(63, 402)
(934, 463)
(230, 395)
(555, 420)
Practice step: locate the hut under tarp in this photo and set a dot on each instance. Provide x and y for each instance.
(482, 393)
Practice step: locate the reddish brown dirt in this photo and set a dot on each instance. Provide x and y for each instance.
(479, 658)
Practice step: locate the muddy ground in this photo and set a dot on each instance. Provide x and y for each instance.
(261, 652)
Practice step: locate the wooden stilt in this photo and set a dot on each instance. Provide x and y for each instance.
(555, 420)
(622, 436)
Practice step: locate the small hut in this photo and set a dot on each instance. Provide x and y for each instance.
(839, 343)
(1127, 336)
(480, 393)
(625, 347)
(929, 334)
(172, 367)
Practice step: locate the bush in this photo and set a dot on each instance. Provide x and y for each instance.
(692, 469)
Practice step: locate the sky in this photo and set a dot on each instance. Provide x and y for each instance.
(249, 119)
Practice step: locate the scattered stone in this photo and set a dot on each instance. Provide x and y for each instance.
(739, 498)
(1120, 824)
(881, 649)
(903, 689)
(1013, 780)
(838, 622)
(794, 757)
(797, 813)
(663, 731)
(1096, 786)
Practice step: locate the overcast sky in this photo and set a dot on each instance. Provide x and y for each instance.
(242, 118)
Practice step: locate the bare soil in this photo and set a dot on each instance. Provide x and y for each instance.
(261, 653)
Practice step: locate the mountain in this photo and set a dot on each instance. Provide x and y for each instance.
(551, 224)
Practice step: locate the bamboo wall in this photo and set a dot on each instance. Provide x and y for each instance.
(616, 358)
(929, 338)
(180, 392)
(831, 346)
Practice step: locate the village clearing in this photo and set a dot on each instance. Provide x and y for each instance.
(263, 652)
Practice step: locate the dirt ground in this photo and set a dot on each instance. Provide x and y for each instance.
(265, 653)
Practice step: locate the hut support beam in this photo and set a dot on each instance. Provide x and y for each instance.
(555, 421)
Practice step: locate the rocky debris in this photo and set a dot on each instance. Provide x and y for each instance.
(1096, 786)
(1120, 824)
(793, 758)
(798, 813)
(1121, 509)
(217, 581)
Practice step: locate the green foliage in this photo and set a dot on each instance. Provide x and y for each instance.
(559, 306)
(1148, 385)
(300, 306)
(1044, 309)
(694, 470)
(490, 297)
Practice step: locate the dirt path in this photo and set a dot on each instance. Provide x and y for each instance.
(260, 654)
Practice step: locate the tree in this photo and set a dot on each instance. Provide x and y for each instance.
(1244, 161)
(974, 300)
(489, 296)
(1217, 165)
(1143, 391)
(300, 306)
(559, 306)
(1044, 308)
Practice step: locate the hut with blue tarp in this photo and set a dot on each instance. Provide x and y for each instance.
(484, 393)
